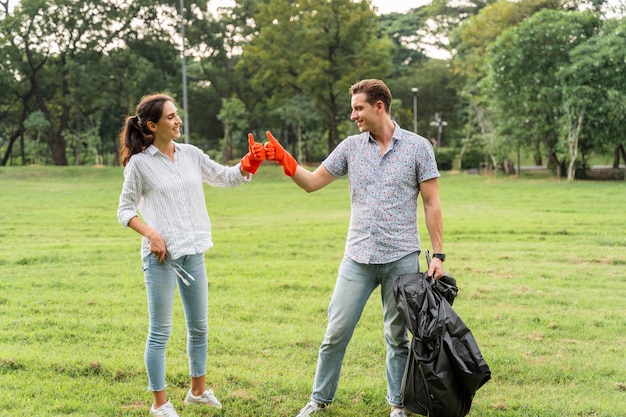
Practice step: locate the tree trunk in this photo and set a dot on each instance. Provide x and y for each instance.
(56, 142)
(18, 134)
(60, 157)
(572, 140)
(333, 134)
(22, 149)
(618, 150)
(538, 159)
(57, 145)
(14, 137)
(553, 161)
(77, 150)
(227, 148)
(299, 134)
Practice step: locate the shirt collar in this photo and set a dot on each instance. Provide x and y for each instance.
(153, 150)
(397, 134)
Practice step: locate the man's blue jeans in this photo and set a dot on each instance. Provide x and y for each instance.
(161, 281)
(355, 284)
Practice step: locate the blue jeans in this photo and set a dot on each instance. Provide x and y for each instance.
(355, 284)
(161, 281)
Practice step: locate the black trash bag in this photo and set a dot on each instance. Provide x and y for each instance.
(445, 367)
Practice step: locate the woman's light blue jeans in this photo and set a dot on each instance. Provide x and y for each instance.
(161, 281)
(355, 284)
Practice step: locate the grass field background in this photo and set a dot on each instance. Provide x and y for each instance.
(540, 263)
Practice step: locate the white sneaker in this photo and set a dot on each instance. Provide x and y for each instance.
(397, 412)
(310, 408)
(166, 410)
(207, 398)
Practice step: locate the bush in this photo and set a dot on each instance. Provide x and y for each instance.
(445, 158)
(472, 158)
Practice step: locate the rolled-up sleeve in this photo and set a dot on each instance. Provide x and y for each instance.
(130, 196)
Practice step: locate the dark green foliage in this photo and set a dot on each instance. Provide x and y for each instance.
(473, 158)
(445, 158)
(80, 67)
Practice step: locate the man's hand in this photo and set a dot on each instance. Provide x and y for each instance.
(275, 152)
(255, 156)
(435, 270)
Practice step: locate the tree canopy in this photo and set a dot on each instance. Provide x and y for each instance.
(522, 74)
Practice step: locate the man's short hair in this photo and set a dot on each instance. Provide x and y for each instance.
(374, 90)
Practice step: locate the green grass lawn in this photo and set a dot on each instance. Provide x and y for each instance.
(540, 264)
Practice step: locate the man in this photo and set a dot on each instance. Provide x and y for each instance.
(387, 168)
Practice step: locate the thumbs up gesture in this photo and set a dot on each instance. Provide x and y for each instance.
(255, 156)
(275, 152)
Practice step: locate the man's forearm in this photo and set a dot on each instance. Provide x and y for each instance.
(312, 181)
(434, 224)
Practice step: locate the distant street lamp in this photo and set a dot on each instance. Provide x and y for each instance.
(415, 90)
(184, 69)
(440, 124)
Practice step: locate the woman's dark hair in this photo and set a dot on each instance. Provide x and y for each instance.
(135, 135)
(374, 90)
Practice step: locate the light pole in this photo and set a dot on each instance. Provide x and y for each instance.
(184, 69)
(415, 90)
(440, 124)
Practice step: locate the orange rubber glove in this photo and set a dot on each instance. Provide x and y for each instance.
(255, 156)
(275, 152)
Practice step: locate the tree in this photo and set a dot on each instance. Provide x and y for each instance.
(15, 92)
(296, 113)
(232, 115)
(216, 43)
(317, 48)
(524, 63)
(55, 33)
(35, 124)
(402, 30)
(441, 17)
(594, 93)
(471, 41)
(64, 48)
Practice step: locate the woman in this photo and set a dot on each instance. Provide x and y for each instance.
(163, 182)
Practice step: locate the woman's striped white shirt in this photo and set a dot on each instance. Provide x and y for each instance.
(169, 196)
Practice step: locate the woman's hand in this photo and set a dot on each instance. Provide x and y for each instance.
(157, 245)
(255, 156)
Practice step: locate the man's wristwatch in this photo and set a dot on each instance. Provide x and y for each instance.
(441, 256)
